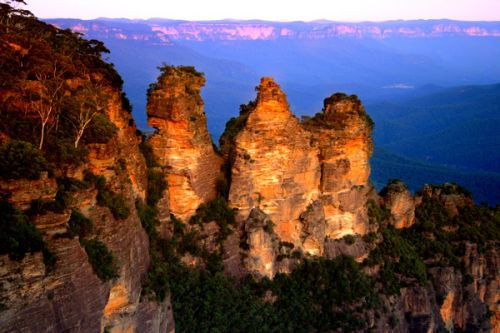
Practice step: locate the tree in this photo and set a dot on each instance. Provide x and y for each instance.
(92, 102)
(46, 95)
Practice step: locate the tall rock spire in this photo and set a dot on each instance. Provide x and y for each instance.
(181, 141)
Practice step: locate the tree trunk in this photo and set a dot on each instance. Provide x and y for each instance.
(42, 136)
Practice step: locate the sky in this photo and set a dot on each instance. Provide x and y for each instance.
(275, 10)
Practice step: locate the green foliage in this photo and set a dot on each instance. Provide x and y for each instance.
(49, 258)
(441, 238)
(269, 227)
(156, 186)
(101, 259)
(398, 258)
(222, 187)
(147, 152)
(62, 151)
(349, 239)
(156, 282)
(324, 295)
(370, 237)
(64, 197)
(147, 215)
(377, 214)
(115, 202)
(101, 130)
(49, 77)
(190, 70)
(216, 210)
(126, 105)
(20, 159)
(166, 70)
(80, 225)
(234, 126)
(369, 122)
(18, 236)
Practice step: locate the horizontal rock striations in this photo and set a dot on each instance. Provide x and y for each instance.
(287, 169)
(181, 142)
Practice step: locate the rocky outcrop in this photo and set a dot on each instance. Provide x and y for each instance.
(275, 168)
(310, 178)
(181, 142)
(342, 132)
(452, 196)
(398, 199)
(69, 296)
(262, 244)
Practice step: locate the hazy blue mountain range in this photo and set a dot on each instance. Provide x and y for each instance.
(456, 126)
(431, 86)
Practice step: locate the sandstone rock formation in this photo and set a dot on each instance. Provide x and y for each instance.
(275, 167)
(69, 296)
(343, 134)
(398, 199)
(289, 170)
(181, 141)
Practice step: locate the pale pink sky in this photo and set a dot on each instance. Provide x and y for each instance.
(277, 10)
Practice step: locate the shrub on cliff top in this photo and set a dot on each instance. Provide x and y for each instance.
(20, 159)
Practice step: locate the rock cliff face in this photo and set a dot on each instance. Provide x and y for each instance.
(310, 178)
(181, 141)
(69, 296)
(343, 134)
(401, 204)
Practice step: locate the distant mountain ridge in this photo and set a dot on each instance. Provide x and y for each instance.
(166, 31)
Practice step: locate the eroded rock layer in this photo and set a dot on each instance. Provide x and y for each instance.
(310, 178)
(181, 141)
(69, 296)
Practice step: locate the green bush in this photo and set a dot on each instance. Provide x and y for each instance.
(147, 152)
(319, 296)
(397, 257)
(219, 211)
(18, 236)
(377, 214)
(80, 225)
(20, 159)
(156, 281)
(107, 198)
(234, 126)
(49, 258)
(147, 215)
(101, 130)
(156, 186)
(66, 187)
(60, 150)
(349, 239)
(115, 202)
(101, 259)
